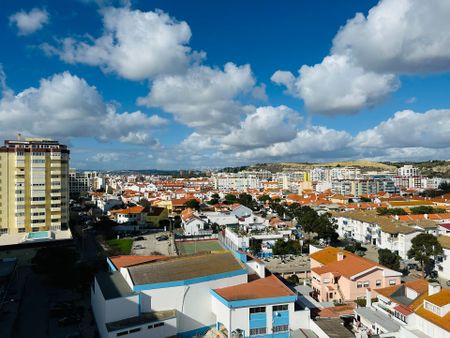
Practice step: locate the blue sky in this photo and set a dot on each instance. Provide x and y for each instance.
(197, 84)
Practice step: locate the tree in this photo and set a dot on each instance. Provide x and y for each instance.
(391, 211)
(216, 196)
(255, 247)
(264, 198)
(247, 200)
(293, 279)
(213, 201)
(290, 247)
(423, 247)
(230, 199)
(193, 204)
(426, 209)
(389, 259)
(144, 203)
(445, 187)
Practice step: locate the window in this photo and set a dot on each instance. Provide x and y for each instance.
(392, 282)
(123, 333)
(38, 199)
(135, 330)
(158, 325)
(280, 308)
(254, 332)
(359, 285)
(257, 309)
(280, 328)
(366, 284)
(378, 282)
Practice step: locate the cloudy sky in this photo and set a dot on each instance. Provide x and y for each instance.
(202, 84)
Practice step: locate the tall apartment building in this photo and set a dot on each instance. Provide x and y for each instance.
(408, 171)
(34, 186)
(81, 181)
(363, 186)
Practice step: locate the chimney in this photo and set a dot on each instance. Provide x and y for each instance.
(340, 256)
(433, 288)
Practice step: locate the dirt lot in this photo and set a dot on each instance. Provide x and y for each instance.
(151, 245)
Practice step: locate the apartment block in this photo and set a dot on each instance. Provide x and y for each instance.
(81, 181)
(34, 186)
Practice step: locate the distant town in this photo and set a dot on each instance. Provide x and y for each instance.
(281, 250)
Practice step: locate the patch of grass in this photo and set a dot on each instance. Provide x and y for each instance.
(121, 246)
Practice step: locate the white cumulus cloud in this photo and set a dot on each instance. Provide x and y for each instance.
(29, 22)
(409, 129)
(65, 106)
(400, 36)
(266, 126)
(337, 86)
(203, 98)
(370, 52)
(313, 142)
(136, 45)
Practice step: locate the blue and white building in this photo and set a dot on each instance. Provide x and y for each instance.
(219, 294)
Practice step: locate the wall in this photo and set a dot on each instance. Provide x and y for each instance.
(257, 267)
(167, 330)
(98, 308)
(427, 327)
(192, 301)
(120, 308)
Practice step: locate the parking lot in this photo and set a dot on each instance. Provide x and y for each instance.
(150, 245)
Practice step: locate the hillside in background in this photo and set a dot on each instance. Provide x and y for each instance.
(362, 164)
(428, 168)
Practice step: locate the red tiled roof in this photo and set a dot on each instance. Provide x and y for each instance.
(129, 260)
(132, 210)
(403, 310)
(268, 287)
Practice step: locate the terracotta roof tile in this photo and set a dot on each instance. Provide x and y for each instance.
(129, 260)
(441, 298)
(268, 287)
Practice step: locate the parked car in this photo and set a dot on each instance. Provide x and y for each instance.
(140, 238)
(412, 266)
(433, 274)
(162, 238)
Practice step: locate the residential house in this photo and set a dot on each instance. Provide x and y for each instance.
(131, 215)
(155, 215)
(414, 309)
(340, 276)
(193, 225)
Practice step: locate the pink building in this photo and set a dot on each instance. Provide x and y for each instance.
(338, 275)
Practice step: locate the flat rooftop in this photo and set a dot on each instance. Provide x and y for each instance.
(333, 328)
(378, 317)
(113, 285)
(184, 268)
(144, 318)
(21, 238)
